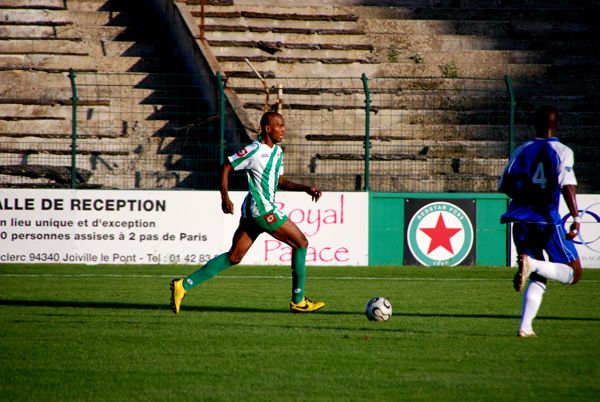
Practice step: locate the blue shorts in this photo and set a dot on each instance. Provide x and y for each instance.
(532, 239)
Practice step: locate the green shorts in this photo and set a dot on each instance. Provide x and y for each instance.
(269, 222)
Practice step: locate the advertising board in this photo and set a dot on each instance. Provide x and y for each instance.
(169, 227)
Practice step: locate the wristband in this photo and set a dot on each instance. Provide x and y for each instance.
(577, 219)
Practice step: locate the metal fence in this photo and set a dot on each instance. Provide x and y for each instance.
(148, 131)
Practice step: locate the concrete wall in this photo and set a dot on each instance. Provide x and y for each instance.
(198, 59)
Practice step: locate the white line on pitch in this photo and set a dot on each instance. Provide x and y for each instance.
(356, 278)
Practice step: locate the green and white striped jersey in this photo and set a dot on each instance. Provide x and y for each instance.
(263, 167)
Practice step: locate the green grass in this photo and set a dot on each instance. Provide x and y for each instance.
(106, 333)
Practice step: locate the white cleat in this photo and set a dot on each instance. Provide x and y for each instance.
(526, 333)
(524, 263)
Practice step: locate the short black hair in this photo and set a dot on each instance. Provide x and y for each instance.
(266, 119)
(545, 116)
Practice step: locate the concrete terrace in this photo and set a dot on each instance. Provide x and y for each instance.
(431, 131)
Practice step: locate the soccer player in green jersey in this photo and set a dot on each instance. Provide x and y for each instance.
(263, 162)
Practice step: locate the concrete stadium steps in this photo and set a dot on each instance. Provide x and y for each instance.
(384, 121)
(90, 63)
(34, 4)
(503, 28)
(372, 70)
(272, 20)
(22, 112)
(277, 38)
(412, 149)
(17, 16)
(522, 34)
(112, 128)
(77, 47)
(105, 5)
(112, 33)
(280, 46)
(425, 166)
(490, 38)
(385, 97)
(494, 57)
(478, 42)
(550, 12)
(309, 68)
(23, 31)
(226, 49)
(121, 118)
(123, 168)
(465, 148)
(125, 93)
(451, 183)
(87, 81)
(286, 38)
(109, 106)
(466, 4)
(447, 42)
(62, 147)
(26, 84)
(58, 152)
(68, 17)
(88, 33)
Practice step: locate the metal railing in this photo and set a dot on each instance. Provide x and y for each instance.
(398, 134)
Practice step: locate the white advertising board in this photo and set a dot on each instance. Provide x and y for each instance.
(168, 227)
(337, 229)
(587, 241)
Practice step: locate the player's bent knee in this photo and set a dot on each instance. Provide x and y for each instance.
(234, 259)
(303, 243)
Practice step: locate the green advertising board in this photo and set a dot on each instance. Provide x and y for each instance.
(390, 236)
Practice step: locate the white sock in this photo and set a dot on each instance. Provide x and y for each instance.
(553, 270)
(532, 298)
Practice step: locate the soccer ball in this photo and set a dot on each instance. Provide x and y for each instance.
(378, 309)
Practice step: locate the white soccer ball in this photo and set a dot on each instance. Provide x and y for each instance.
(378, 309)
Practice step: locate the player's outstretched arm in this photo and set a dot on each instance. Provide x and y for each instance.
(285, 184)
(568, 192)
(226, 204)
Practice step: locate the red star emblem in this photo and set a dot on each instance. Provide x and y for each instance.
(440, 235)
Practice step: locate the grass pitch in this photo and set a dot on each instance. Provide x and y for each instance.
(106, 333)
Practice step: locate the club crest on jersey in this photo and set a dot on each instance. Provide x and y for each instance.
(242, 152)
(270, 218)
(440, 234)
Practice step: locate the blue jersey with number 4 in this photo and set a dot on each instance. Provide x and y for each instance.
(533, 179)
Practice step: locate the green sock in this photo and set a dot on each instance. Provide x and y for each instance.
(298, 274)
(213, 267)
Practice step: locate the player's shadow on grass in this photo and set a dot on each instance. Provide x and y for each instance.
(139, 306)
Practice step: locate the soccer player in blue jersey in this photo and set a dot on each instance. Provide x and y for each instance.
(537, 173)
(263, 162)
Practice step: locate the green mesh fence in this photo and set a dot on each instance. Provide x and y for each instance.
(578, 103)
(426, 135)
(160, 131)
(149, 131)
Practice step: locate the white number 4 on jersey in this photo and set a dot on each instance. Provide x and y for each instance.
(538, 177)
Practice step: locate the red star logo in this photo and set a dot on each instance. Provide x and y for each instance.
(440, 235)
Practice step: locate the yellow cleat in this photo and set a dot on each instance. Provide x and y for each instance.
(306, 306)
(177, 294)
